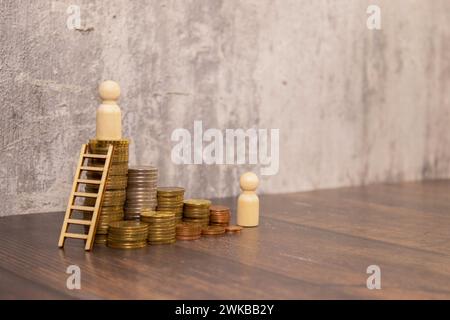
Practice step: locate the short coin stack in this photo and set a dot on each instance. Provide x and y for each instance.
(116, 184)
(171, 199)
(188, 231)
(127, 234)
(141, 191)
(219, 215)
(196, 211)
(213, 230)
(161, 226)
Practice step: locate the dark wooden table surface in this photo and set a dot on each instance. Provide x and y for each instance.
(309, 245)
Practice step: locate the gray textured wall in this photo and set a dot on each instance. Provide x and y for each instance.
(354, 106)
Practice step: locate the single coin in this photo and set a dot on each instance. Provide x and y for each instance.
(213, 230)
(219, 208)
(165, 190)
(197, 202)
(233, 229)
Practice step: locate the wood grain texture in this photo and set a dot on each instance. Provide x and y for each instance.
(308, 245)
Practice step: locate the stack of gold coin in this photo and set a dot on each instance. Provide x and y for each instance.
(141, 190)
(196, 211)
(219, 215)
(115, 187)
(161, 226)
(213, 230)
(188, 231)
(120, 152)
(171, 199)
(127, 234)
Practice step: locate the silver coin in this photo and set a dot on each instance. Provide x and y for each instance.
(142, 175)
(144, 168)
(141, 195)
(143, 183)
(143, 186)
(152, 184)
(141, 192)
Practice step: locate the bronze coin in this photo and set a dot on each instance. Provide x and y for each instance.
(233, 229)
(219, 208)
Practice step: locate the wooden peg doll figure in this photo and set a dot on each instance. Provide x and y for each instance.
(109, 117)
(248, 201)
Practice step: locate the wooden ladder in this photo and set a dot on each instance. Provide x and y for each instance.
(84, 154)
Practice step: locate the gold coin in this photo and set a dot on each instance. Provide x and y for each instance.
(170, 190)
(128, 225)
(197, 203)
(127, 246)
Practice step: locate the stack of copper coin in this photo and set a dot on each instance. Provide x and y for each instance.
(219, 215)
(188, 231)
(213, 231)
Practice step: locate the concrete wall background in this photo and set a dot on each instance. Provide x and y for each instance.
(354, 106)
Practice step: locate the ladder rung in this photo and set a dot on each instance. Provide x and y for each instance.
(86, 168)
(82, 208)
(85, 194)
(79, 221)
(76, 235)
(95, 156)
(87, 181)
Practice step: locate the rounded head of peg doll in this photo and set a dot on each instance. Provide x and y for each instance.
(109, 90)
(249, 181)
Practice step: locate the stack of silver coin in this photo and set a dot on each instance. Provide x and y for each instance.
(141, 191)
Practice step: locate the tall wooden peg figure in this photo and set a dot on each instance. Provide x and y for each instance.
(109, 117)
(248, 201)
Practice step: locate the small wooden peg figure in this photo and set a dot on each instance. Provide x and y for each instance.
(248, 201)
(109, 117)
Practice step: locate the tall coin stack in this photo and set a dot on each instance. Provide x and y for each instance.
(161, 226)
(115, 187)
(127, 234)
(141, 191)
(219, 215)
(196, 211)
(171, 199)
